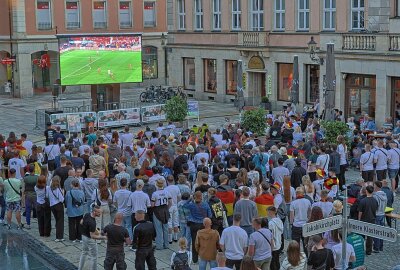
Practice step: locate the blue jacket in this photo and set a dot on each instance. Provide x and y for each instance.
(261, 160)
(79, 196)
(370, 126)
(198, 211)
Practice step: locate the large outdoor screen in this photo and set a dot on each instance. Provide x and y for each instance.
(100, 59)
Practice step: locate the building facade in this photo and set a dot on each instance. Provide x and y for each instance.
(29, 27)
(209, 38)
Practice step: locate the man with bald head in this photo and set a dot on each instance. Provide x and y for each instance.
(117, 236)
(207, 241)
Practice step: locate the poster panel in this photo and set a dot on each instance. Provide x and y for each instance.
(153, 113)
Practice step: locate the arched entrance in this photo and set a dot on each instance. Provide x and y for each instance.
(44, 70)
(256, 80)
(5, 72)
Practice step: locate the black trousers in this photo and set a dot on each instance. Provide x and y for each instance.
(145, 255)
(380, 175)
(194, 228)
(58, 213)
(368, 176)
(342, 178)
(275, 264)
(74, 228)
(44, 219)
(368, 245)
(297, 235)
(114, 257)
(230, 263)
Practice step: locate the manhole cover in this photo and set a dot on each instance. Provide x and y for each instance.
(6, 103)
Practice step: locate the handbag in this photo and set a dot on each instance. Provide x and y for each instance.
(75, 202)
(322, 266)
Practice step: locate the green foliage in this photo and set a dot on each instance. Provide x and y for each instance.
(254, 121)
(176, 109)
(264, 99)
(334, 129)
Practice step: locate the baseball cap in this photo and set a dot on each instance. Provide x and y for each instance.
(139, 183)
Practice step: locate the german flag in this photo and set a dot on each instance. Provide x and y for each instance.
(22, 150)
(263, 202)
(227, 197)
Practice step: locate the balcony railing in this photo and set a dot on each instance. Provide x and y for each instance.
(359, 42)
(73, 25)
(252, 39)
(394, 43)
(44, 25)
(99, 25)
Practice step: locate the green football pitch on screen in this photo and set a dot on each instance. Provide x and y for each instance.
(80, 66)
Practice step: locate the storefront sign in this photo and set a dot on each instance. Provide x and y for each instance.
(256, 62)
(153, 113)
(193, 109)
(368, 229)
(323, 225)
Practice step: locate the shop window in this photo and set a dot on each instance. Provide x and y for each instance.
(43, 15)
(361, 95)
(210, 75)
(285, 81)
(231, 76)
(312, 83)
(150, 62)
(72, 14)
(189, 74)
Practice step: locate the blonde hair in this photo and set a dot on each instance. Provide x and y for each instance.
(182, 243)
(338, 206)
(308, 185)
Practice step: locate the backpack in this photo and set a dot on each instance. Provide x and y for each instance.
(281, 211)
(166, 172)
(77, 143)
(180, 261)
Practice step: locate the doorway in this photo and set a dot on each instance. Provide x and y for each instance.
(395, 99)
(256, 88)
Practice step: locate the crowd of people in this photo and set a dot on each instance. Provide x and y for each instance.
(229, 197)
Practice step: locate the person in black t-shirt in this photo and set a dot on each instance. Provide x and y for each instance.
(367, 213)
(320, 255)
(89, 236)
(143, 235)
(49, 133)
(117, 235)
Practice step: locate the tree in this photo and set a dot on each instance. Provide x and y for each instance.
(254, 121)
(333, 129)
(176, 109)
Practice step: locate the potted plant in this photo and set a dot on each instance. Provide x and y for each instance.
(266, 103)
(254, 121)
(176, 109)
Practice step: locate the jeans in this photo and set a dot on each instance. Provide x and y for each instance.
(117, 258)
(162, 233)
(30, 204)
(89, 251)
(297, 235)
(378, 243)
(263, 264)
(145, 255)
(249, 229)
(3, 207)
(185, 232)
(203, 264)
(128, 225)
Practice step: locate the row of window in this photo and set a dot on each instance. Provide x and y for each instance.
(73, 15)
(256, 15)
(284, 78)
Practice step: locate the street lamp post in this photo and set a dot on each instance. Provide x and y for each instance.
(312, 48)
(164, 46)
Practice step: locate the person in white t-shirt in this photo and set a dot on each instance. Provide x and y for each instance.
(337, 254)
(276, 226)
(173, 221)
(27, 144)
(234, 242)
(124, 204)
(200, 155)
(126, 137)
(367, 164)
(323, 159)
(300, 210)
(17, 164)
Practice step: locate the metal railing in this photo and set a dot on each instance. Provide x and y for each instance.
(41, 118)
(359, 42)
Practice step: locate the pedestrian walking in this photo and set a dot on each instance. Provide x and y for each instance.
(43, 210)
(56, 198)
(143, 235)
(207, 243)
(74, 200)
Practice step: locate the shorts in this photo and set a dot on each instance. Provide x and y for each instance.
(392, 173)
(380, 175)
(13, 206)
(51, 165)
(173, 220)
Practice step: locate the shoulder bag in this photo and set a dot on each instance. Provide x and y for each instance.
(322, 266)
(18, 192)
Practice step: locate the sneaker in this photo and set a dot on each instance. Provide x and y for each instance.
(19, 227)
(59, 240)
(28, 227)
(5, 223)
(74, 241)
(9, 226)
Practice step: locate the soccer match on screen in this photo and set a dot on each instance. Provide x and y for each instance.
(100, 59)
